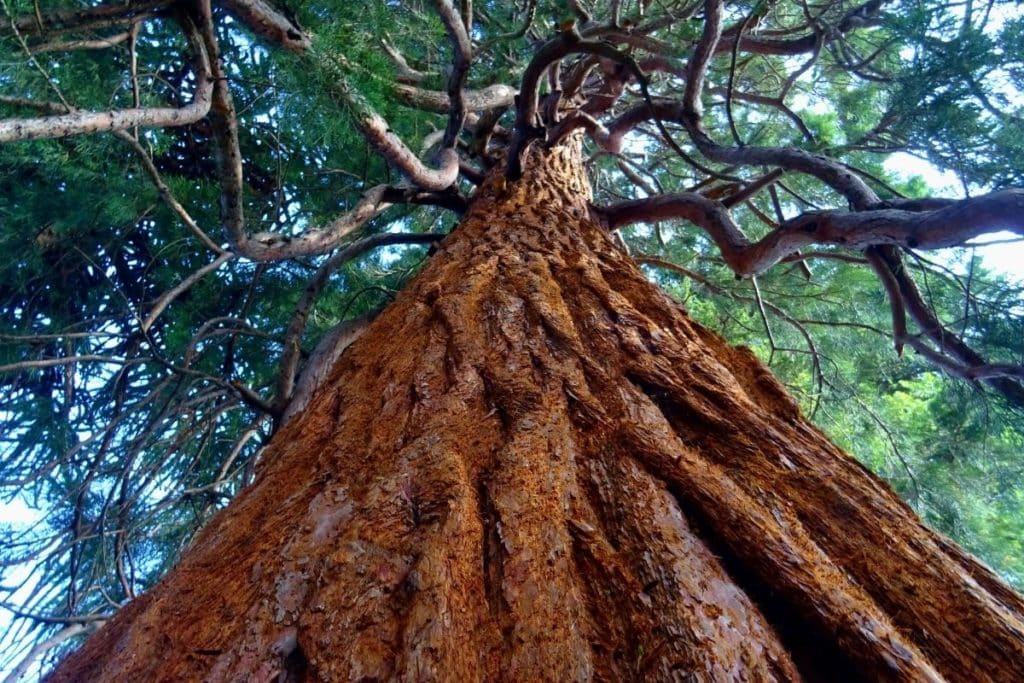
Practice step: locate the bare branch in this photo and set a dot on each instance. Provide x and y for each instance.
(951, 353)
(772, 346)
(531, 13)
(378, 133)
(52, 362)
(164, 301)
(457, 28)
(860, 16)
(144, 158)
(227, 155)
(490, 97)
(775, 103)
(406, 74)
(568, 41)
(690, 112)
(165, 191)
(80, 122)
(73, 45)
(263, 19)
(277, 246)
(277, 28)
(273, 246)
(753, 188)
(47, 619)
(946, 227)
(89, 18)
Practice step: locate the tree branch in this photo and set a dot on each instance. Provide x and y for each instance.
(457, 28)
(568, 41)
(81, 122)
(264, 20)
(378, 133)
(939, 228)
(73, 45)
(89, 18)
(406, 74)
(490, 97)
(860, 16)
(951, 354)
(176, 291)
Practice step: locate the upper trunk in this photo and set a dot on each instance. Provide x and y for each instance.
(534, 466)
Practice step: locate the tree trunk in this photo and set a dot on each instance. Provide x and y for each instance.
(534, 466)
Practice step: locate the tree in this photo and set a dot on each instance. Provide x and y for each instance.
(532, 464)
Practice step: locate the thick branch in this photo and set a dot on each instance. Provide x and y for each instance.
(277, 28)
(77, 122)
(277, 246)
(406, 74)
(490, 97)
(567, 42)
(689, 114)
(263, 19)
(144, 158)
(86, 19)
(946, 227)
(377, 132)
(456, 26)
(860, 16)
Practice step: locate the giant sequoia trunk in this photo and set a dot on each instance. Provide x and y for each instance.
(533, 466)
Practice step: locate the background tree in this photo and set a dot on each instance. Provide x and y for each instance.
(262, 179)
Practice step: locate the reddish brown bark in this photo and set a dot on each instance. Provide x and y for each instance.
(534, 466)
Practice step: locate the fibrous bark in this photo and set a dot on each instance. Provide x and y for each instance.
(534, 466)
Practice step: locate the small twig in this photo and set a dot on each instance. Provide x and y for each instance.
(164, 301)
(764, 319)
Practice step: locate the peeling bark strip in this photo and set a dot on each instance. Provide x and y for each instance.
(534, 466)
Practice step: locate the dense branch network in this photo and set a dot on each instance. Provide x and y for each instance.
(576, 100)
(647, 85)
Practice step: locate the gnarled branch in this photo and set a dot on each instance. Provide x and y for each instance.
(264, 20)
(944, 227)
